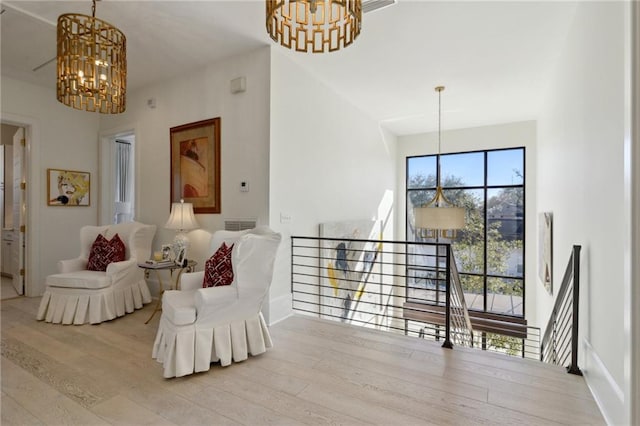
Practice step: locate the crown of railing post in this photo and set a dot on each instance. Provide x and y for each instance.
(447, 336)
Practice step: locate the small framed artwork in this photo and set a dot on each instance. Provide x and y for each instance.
(68, 188)
(167, 251)
(181, 257)
(545, 250)
(195, 165)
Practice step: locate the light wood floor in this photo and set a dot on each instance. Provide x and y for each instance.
(318, 373)
(6, 289)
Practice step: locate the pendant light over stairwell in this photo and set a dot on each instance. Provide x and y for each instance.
(439, 217)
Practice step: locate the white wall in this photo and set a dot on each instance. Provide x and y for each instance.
(329, 162)
(580, 179)
(198, 95)
(58, 137)
(510, 135)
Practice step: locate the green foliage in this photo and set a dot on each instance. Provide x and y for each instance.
(468, 246)
(510, 345)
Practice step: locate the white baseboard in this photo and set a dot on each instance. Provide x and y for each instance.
(280, 308)
(607, 393)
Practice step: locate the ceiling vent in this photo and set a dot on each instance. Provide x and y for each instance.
(371, 5)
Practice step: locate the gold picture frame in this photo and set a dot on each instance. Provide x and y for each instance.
(68, 188)
(195, 165)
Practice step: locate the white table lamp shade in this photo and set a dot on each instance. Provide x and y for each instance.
(181, 217)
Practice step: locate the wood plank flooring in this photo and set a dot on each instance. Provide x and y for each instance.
(6, 288)
(317, 373)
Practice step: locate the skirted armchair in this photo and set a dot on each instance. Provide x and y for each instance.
(201, 325)
(77, 295)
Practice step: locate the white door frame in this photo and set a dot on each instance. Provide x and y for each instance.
(106, 165)
(632, 209)
(33, 275)
(19, 201)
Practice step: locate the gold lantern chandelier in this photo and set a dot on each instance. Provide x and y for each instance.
(439, 217)
(314, 26)
(92, 64)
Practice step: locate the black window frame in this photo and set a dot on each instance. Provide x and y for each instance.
(485, 188)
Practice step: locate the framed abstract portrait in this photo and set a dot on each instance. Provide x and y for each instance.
(195, 165)
(68, 188)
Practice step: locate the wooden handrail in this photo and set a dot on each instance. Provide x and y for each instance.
(480, 321)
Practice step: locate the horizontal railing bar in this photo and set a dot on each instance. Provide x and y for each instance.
(342, 300)
(413, 266)
(362, 240)
(568, 276)
(378, 274)
(407, 277)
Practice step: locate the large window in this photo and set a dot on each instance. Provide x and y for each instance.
(489, 251)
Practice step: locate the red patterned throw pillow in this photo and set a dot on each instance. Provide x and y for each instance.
(103, 252)
(218, 269)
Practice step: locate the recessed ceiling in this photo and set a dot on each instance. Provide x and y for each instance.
(494, 58)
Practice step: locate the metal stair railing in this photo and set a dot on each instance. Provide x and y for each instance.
(560, 342)
(461, 322)
(399, 286)
(368, 284)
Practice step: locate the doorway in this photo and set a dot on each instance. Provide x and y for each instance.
(117, 178)
(13, 209)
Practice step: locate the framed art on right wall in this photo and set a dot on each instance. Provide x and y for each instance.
(545, 250)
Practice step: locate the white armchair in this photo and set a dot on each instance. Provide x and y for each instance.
(204, 325)
(76, 295)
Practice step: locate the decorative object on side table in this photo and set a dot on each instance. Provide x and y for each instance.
(182, 219)
(167, 252)
(181, 256)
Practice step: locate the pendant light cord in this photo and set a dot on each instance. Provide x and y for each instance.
(439, 89)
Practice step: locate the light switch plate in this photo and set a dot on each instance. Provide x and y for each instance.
(285, 218)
